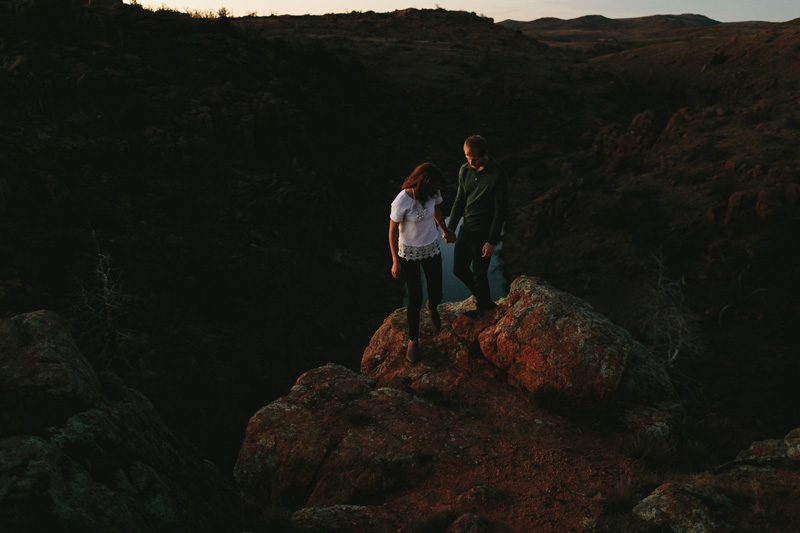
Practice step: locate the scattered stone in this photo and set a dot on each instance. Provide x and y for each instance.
(470, 523)
(685, 508)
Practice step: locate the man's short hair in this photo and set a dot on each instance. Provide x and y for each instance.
(476, 145)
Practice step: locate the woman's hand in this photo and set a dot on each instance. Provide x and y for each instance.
(394, 234)
(449, 235)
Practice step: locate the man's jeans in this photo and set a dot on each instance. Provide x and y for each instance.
(469, 250)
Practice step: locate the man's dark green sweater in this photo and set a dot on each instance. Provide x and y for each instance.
(482, 200)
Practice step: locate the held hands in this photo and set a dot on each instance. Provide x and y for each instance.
(449, 235)
(488, 250)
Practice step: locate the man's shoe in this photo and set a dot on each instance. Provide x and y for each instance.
(436, 320)
(486, 307)
(411, 352)
(481, 310)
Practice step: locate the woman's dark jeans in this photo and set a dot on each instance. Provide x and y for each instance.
(412, 271)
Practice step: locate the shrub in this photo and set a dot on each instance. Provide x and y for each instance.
(666, 323)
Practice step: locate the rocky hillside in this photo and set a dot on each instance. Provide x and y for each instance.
(600, 23)
(79, 451)
(598, 35)
(203, 200)
(704, 178)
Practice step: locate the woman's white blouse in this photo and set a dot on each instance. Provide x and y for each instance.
(419, 235)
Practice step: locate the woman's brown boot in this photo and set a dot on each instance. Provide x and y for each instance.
(411, 352)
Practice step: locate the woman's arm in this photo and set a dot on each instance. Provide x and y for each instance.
(438, 216)
(394, 236)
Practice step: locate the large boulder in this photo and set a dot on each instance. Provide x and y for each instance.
(338, 441)
(551, 341)
(82, 452)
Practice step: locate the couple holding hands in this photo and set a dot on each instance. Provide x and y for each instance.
(480, 205)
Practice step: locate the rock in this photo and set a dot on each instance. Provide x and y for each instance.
(646, 401)
(479, 497)
(646, 381)
(338, 439)
(773, 450)
(780, 201)
(82, 452)
(342, 453)
(792, 441)
(343, 519)
(685, 508)
(437, 444)
(717, 59)
(741, 208)
(43, 376)
(550, 341)
(661, 422)
(470, 523)
(540, 340)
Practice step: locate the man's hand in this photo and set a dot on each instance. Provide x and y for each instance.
(488, 250)
(449, 235)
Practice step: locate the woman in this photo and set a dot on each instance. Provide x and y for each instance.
(414, 242)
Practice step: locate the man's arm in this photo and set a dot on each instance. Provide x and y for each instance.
(457, 211)
(500, 209)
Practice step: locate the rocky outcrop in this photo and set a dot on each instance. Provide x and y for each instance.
(342, 453)
(542, 341)
(82, 452)
(458, 440)
(337, 442)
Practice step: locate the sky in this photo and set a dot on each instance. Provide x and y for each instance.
(524, 10)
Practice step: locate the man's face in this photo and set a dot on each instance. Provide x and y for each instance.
(475, 161)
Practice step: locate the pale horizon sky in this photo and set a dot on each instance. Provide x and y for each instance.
(499, 10)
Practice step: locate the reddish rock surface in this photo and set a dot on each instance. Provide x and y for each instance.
(342, 453)
(539, 340)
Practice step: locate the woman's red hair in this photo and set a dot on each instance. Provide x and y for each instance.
(425, 180)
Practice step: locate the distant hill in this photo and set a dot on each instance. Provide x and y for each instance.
(601, 23)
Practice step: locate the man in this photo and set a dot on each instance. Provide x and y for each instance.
(480, 205)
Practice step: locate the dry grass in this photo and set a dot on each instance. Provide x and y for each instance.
(666, 323)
